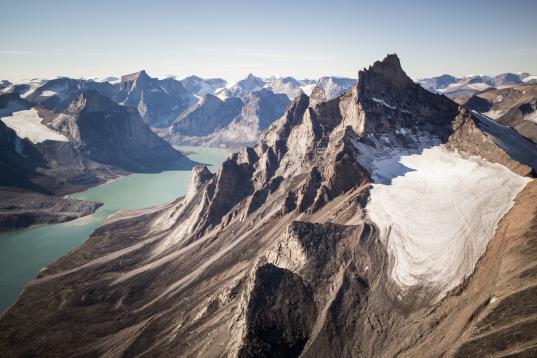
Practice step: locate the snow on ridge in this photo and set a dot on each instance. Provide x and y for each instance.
(532, 117)
(381, 101)
(437, 211)
(27, 124)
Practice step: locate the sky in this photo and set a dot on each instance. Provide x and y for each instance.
(229, 39)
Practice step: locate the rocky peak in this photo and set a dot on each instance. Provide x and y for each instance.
(384, 75)
(390, 100)
(200, 176)
(128, 81)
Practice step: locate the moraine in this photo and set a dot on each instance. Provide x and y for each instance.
(23, 253)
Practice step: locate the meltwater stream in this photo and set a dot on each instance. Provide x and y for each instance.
(23, 253)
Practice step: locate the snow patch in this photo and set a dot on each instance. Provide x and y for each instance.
(307, 89)
(532, 117)
(436, 212)
(381, 101)
(27, 124)
(49, 93)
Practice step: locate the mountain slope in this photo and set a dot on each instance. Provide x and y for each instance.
(287, 250)
(231, 122)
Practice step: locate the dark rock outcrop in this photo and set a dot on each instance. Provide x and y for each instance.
(20, 209)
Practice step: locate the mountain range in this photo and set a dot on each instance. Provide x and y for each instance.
(461, 88)
(385, 221)
(171, 106)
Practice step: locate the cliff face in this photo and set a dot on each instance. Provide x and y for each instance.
(355, 227)
(115, 135)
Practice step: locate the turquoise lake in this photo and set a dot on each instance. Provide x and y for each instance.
(23, 253)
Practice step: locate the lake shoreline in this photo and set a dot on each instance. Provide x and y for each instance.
(23, 253)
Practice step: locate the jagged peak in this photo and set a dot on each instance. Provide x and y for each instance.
(200, 176)
(387, 71)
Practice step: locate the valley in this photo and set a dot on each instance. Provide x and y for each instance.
(23, 253)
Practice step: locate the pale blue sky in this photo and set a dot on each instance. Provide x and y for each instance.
(229, 39)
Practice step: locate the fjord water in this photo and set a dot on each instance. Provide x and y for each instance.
(23, 253)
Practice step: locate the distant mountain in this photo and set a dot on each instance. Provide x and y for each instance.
(286, 85)
(230, 122)
(200, 87)
(177, 109)
(240, 89)
(23, 88)
(461, 89)
(334, 86)
(159, 102)
(435, 84)
(58, 93)
(208, 115)
(506, 80)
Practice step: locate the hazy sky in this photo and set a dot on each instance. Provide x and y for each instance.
(230, 38)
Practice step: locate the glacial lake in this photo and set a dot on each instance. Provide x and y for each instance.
(23, 253)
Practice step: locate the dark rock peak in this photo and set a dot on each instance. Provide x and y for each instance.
(7, 98)
(387, 72)
(12, 102)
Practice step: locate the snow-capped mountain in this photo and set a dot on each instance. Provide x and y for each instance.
(388, 221)
(24, 87)
(200, 86)
(334, 86)
(58, 93)
(287, 85)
